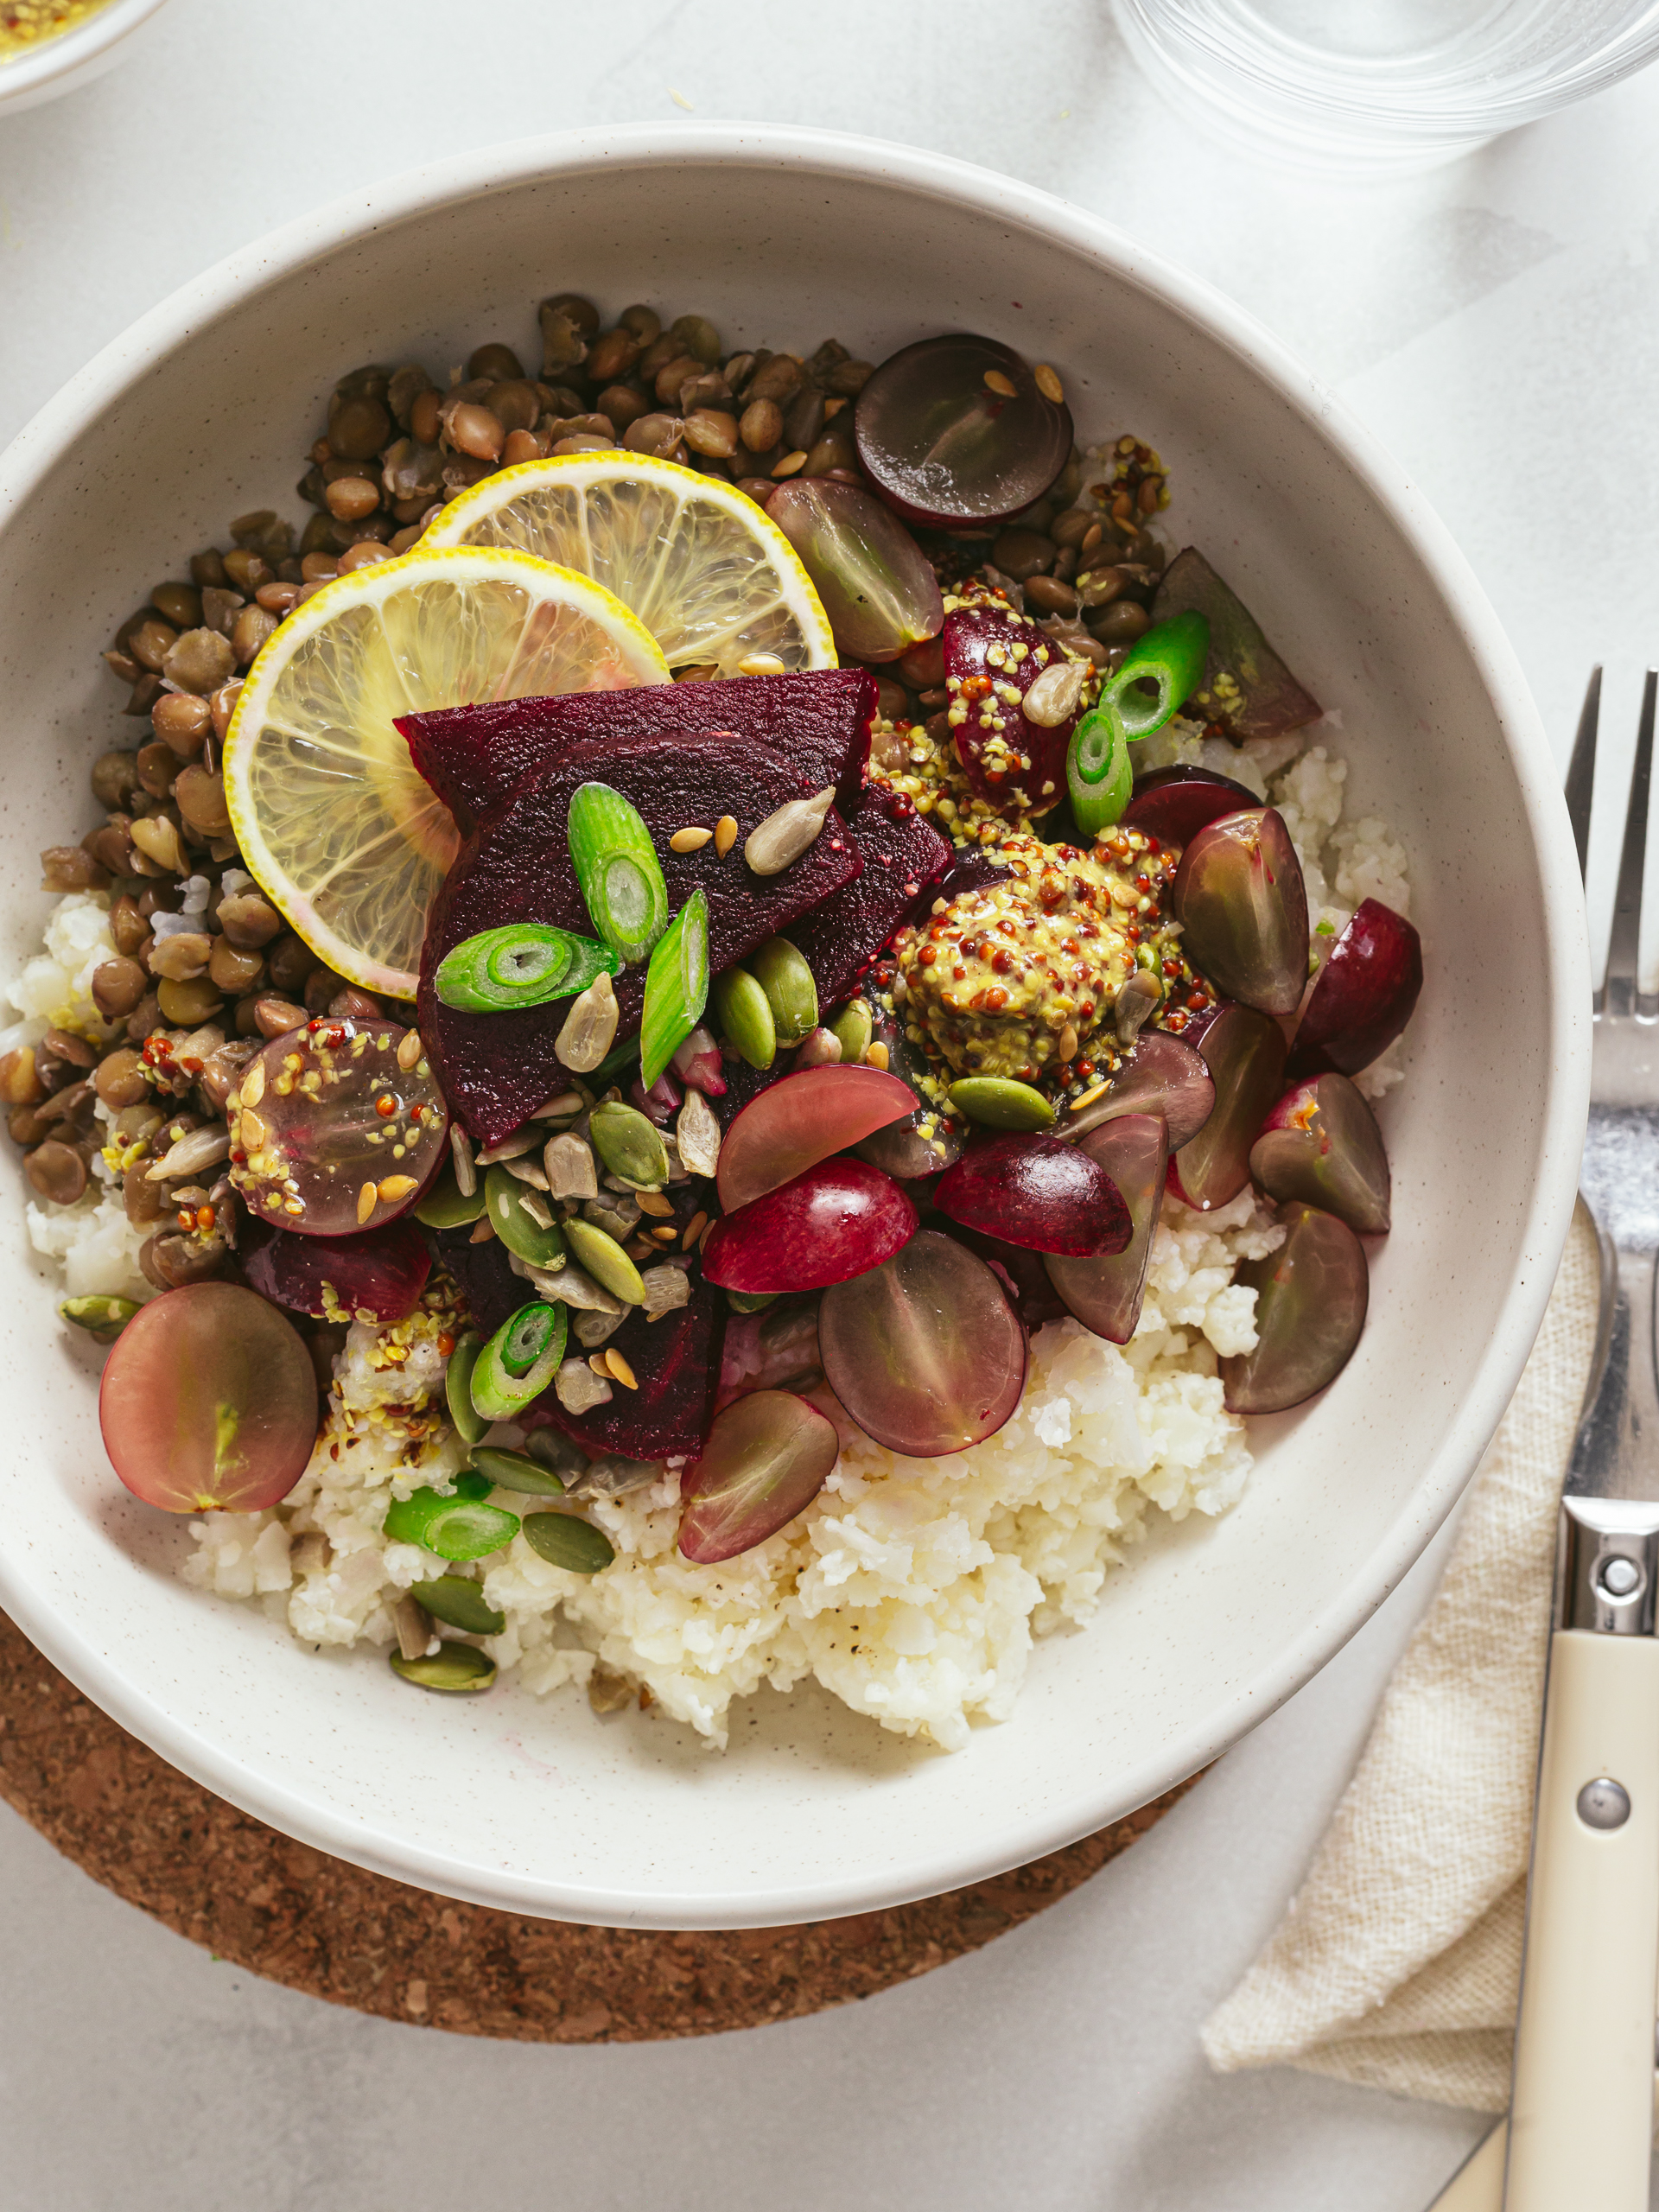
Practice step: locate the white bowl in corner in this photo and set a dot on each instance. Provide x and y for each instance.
(205, 406)
(75, 57)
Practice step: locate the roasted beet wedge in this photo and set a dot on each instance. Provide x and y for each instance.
(1365, 995)
(496, 1069)
(675, 1363)
(1266, 699)
(476, 757)
(1106, 1293)
(1034, 1191)
(1172, 804)
(378, 1276)
(904, 857)
(996, 736)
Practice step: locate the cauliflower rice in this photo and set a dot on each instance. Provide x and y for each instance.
(911, 1589)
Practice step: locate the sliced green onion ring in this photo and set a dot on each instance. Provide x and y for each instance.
(523, 964)
(519, 1361)
(1169, 658)
(1097, 772)
(676, 987)
(617, 867)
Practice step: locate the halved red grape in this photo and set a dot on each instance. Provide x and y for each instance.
(929, 1139)
(378, 1276)
(877, 587)
(209, 1401)
(985, 656)
(801, 1120)
(1163, 1075)
(925, 1353)
(1034, 1191)
(1174, 803)
(1105, 1293)
(1311, 1297)
(955, 430)
(765, 1459)
(1239, 896)
(1265, 698)
(1322, 1145)
(1365, 995)
(1244, 1052)
(335, 1132)
(839, 1219)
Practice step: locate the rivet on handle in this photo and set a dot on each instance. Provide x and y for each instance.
(1604, 1804)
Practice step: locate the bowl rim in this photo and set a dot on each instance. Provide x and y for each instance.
(82, 48)
(346, 221)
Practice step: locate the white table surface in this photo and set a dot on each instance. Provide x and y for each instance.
(1497, 323)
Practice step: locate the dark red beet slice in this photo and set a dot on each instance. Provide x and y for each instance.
(496, 1069)
(1244, 1052)
(839, 1219)
(925, 1353)
(483, 1274)
(954, 430)
(1105, 1294)
(1036, 1191)
(1021, 1272)
(1239, 896)
(1163, 1075)
(1322, 1145)
(1311, 1297)
(976, 681)
(1269, 700)
(903, 856)
(1365, 995)
(675, 1362)
(767, 1458)
(1172, 804)
(476, 757)
(378, 1276)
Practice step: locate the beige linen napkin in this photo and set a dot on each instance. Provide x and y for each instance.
(1398, 1962)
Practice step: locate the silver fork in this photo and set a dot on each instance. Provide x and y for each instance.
(1581, 2106)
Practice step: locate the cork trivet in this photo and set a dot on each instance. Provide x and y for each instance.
(296, 1916)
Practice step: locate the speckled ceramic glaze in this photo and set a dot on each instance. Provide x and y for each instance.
(205, 409)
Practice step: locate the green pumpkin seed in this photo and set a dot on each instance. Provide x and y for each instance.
(564, 1540)
(604, 1261)
(517, 1470)
(749, 1301)
(102, 1318)
(552, 1448)
(853, 1029)
(469, 1424)
(998, 1102)
(457, 1667)
(444, 1207)
(782, 973)
(460, 1603)
(519, 1230)
(744, 1012)
(630, 1146)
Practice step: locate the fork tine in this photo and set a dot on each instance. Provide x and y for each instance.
(1581, 770)
(1627, 905)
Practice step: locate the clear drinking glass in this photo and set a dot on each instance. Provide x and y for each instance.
(1359, 85)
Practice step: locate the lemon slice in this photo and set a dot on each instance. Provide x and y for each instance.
(715, 583)
(341, 833)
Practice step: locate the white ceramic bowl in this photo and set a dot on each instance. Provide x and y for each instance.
(205, 406)
(75, 57)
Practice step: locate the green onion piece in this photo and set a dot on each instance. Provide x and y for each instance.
(1159, 673)
(458, 1386)
(744, 1012)
(614, 1066)
(782, 973)
(456, 1528)
(519, 1361)
(617, 867)
(676, 987)
(523, 964)
(1097, 772)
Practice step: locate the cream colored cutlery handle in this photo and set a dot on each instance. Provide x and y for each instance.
(1581, 2112)
(1478, 2185)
